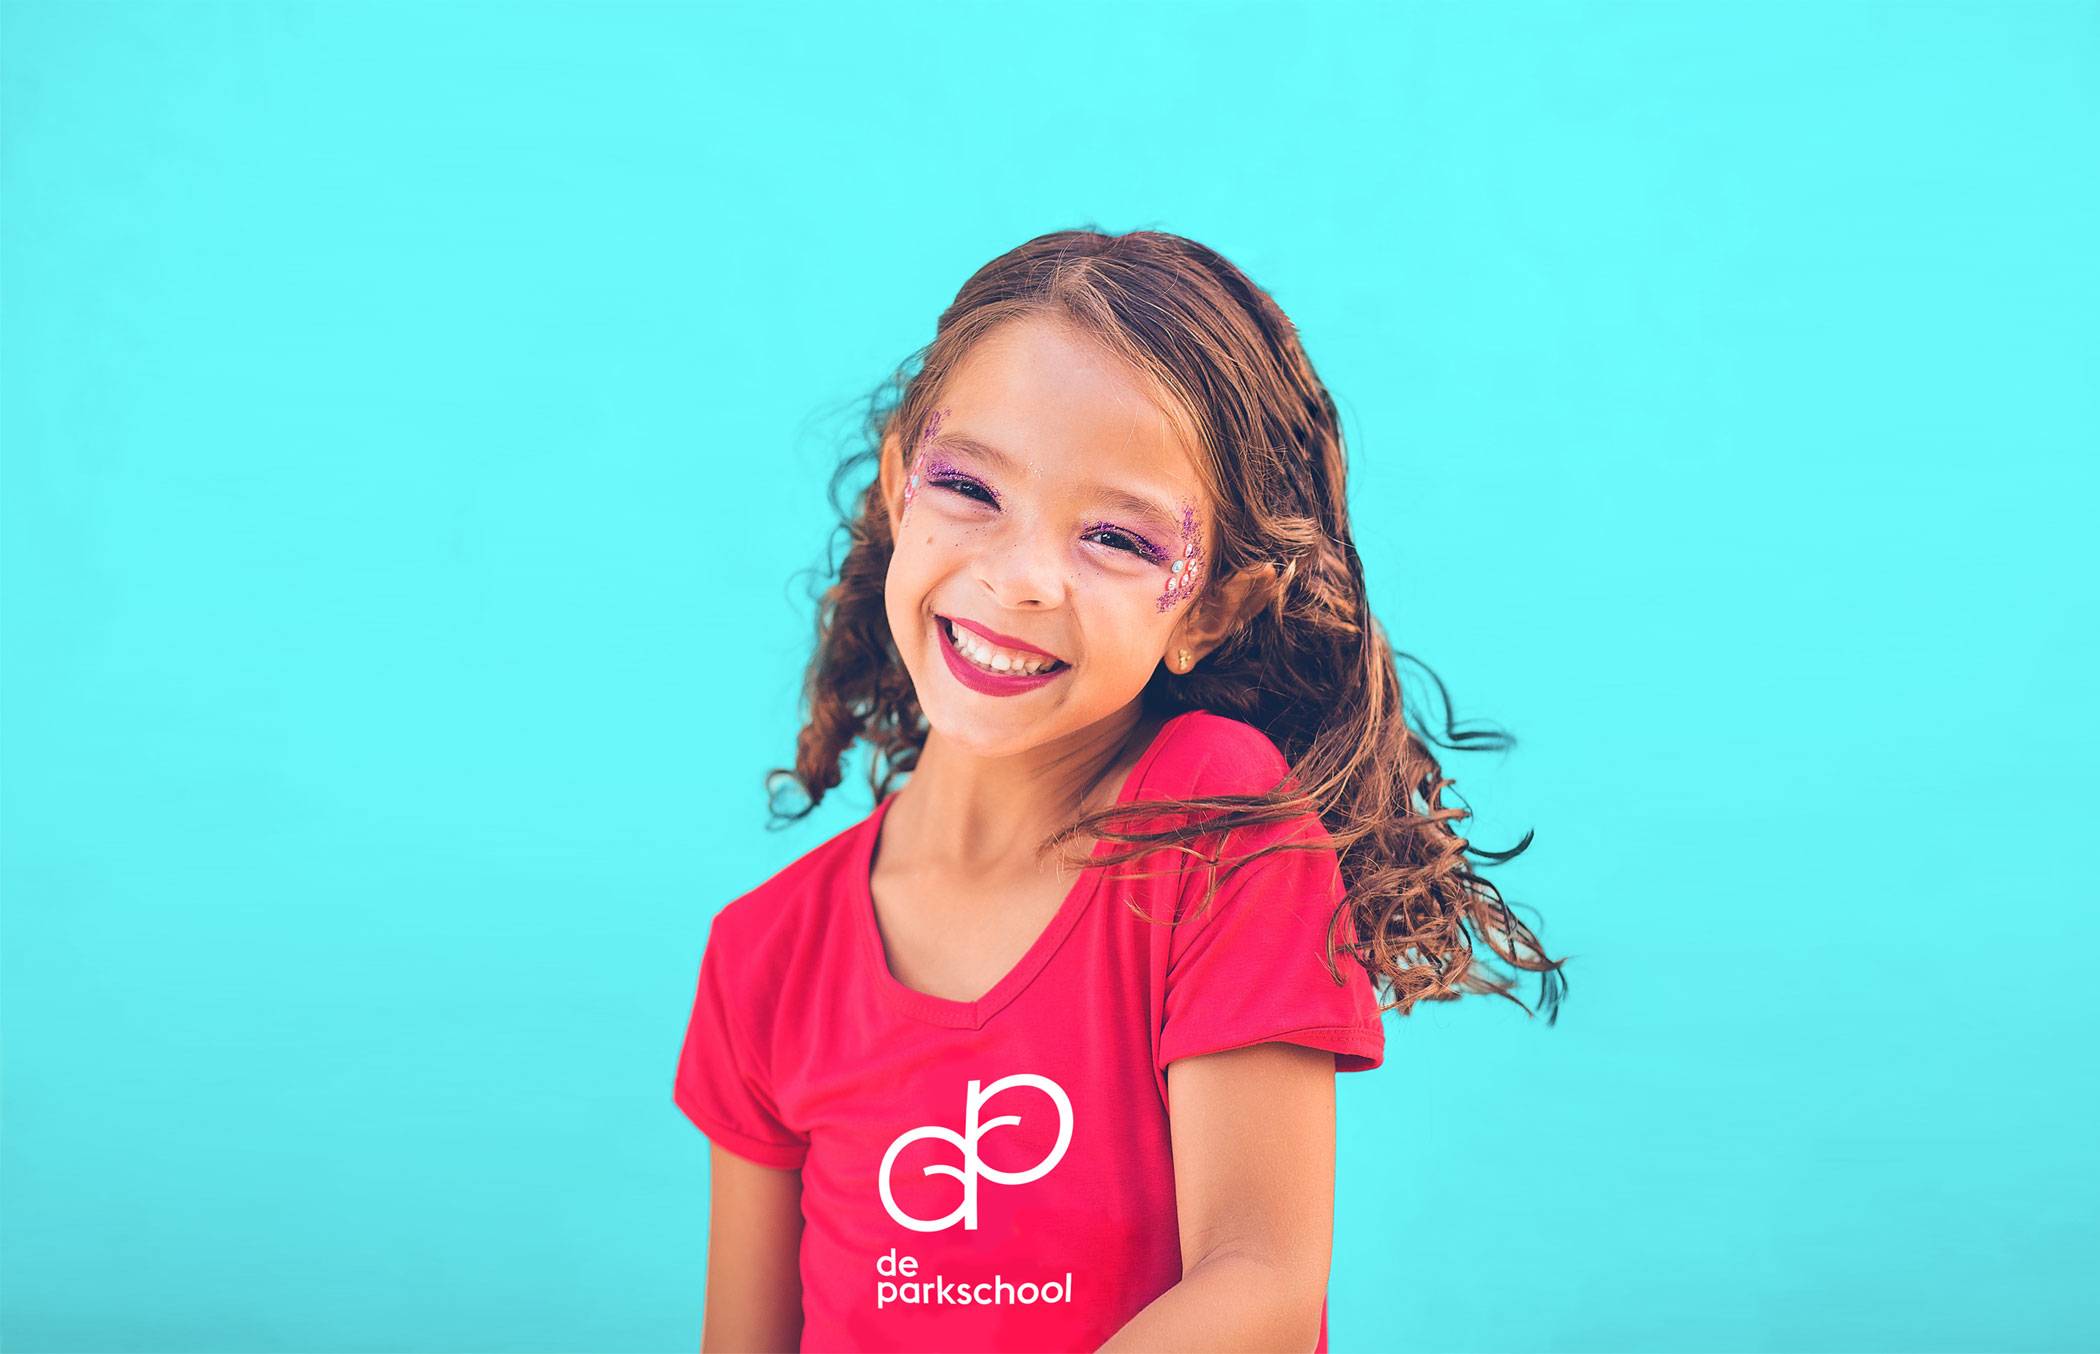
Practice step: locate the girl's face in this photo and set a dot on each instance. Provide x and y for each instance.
(1049, 506)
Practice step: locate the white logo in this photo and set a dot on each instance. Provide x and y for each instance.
(966, 1141)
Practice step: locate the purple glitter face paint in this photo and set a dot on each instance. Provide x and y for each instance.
(1181, 582)
(911, 484)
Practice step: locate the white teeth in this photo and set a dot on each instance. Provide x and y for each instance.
(998, 660)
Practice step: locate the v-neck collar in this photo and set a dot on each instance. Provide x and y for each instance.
(972, 1015)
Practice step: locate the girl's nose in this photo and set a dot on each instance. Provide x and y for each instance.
(1024, 568)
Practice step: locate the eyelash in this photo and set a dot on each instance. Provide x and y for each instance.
(1137, 545)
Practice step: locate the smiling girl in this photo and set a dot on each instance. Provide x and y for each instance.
(974, 1078)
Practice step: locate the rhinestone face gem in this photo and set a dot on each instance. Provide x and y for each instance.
(1181, 573)
(911, 485)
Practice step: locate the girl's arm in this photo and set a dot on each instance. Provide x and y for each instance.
(754, 1245)
(1253, 1135)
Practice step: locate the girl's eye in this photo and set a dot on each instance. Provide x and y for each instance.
(962, 486)
(1126, 541)
(1121, 539)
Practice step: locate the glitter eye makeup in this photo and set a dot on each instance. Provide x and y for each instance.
(911, 485)
(1133, 543)
(1181, 582)
(948, 475)
(930, 467)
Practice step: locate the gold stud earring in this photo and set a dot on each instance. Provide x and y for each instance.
(1185, 664)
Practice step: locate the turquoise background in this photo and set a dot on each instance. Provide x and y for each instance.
(416, 421)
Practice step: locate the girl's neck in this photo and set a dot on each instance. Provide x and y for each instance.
(970, 814)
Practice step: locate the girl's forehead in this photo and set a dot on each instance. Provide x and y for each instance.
(1033, 382)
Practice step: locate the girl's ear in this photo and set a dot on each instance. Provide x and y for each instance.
(1221, 609)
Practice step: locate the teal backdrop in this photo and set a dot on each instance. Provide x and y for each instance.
(417, 420)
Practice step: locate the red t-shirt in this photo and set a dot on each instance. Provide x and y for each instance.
(804, 1050)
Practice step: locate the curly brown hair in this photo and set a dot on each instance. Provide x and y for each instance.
(1309, 665)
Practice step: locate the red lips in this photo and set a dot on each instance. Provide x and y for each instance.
(1003, 641)
(993, 683)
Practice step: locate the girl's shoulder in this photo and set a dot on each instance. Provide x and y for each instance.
(1207, 753)
(1204, 753)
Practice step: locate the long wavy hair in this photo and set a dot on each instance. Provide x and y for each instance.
(1309, 664)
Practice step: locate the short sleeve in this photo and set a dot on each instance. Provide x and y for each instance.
(722, 1085)
(1251, 967)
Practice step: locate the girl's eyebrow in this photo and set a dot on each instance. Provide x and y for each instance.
(1135, 504)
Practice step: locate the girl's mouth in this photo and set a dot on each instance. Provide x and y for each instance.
(988, 677)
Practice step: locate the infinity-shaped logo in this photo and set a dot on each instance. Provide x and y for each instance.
(966, 1142)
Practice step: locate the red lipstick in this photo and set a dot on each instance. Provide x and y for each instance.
(993, 683)
(1003, 641)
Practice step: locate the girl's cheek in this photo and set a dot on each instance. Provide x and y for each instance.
(1182, 571)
